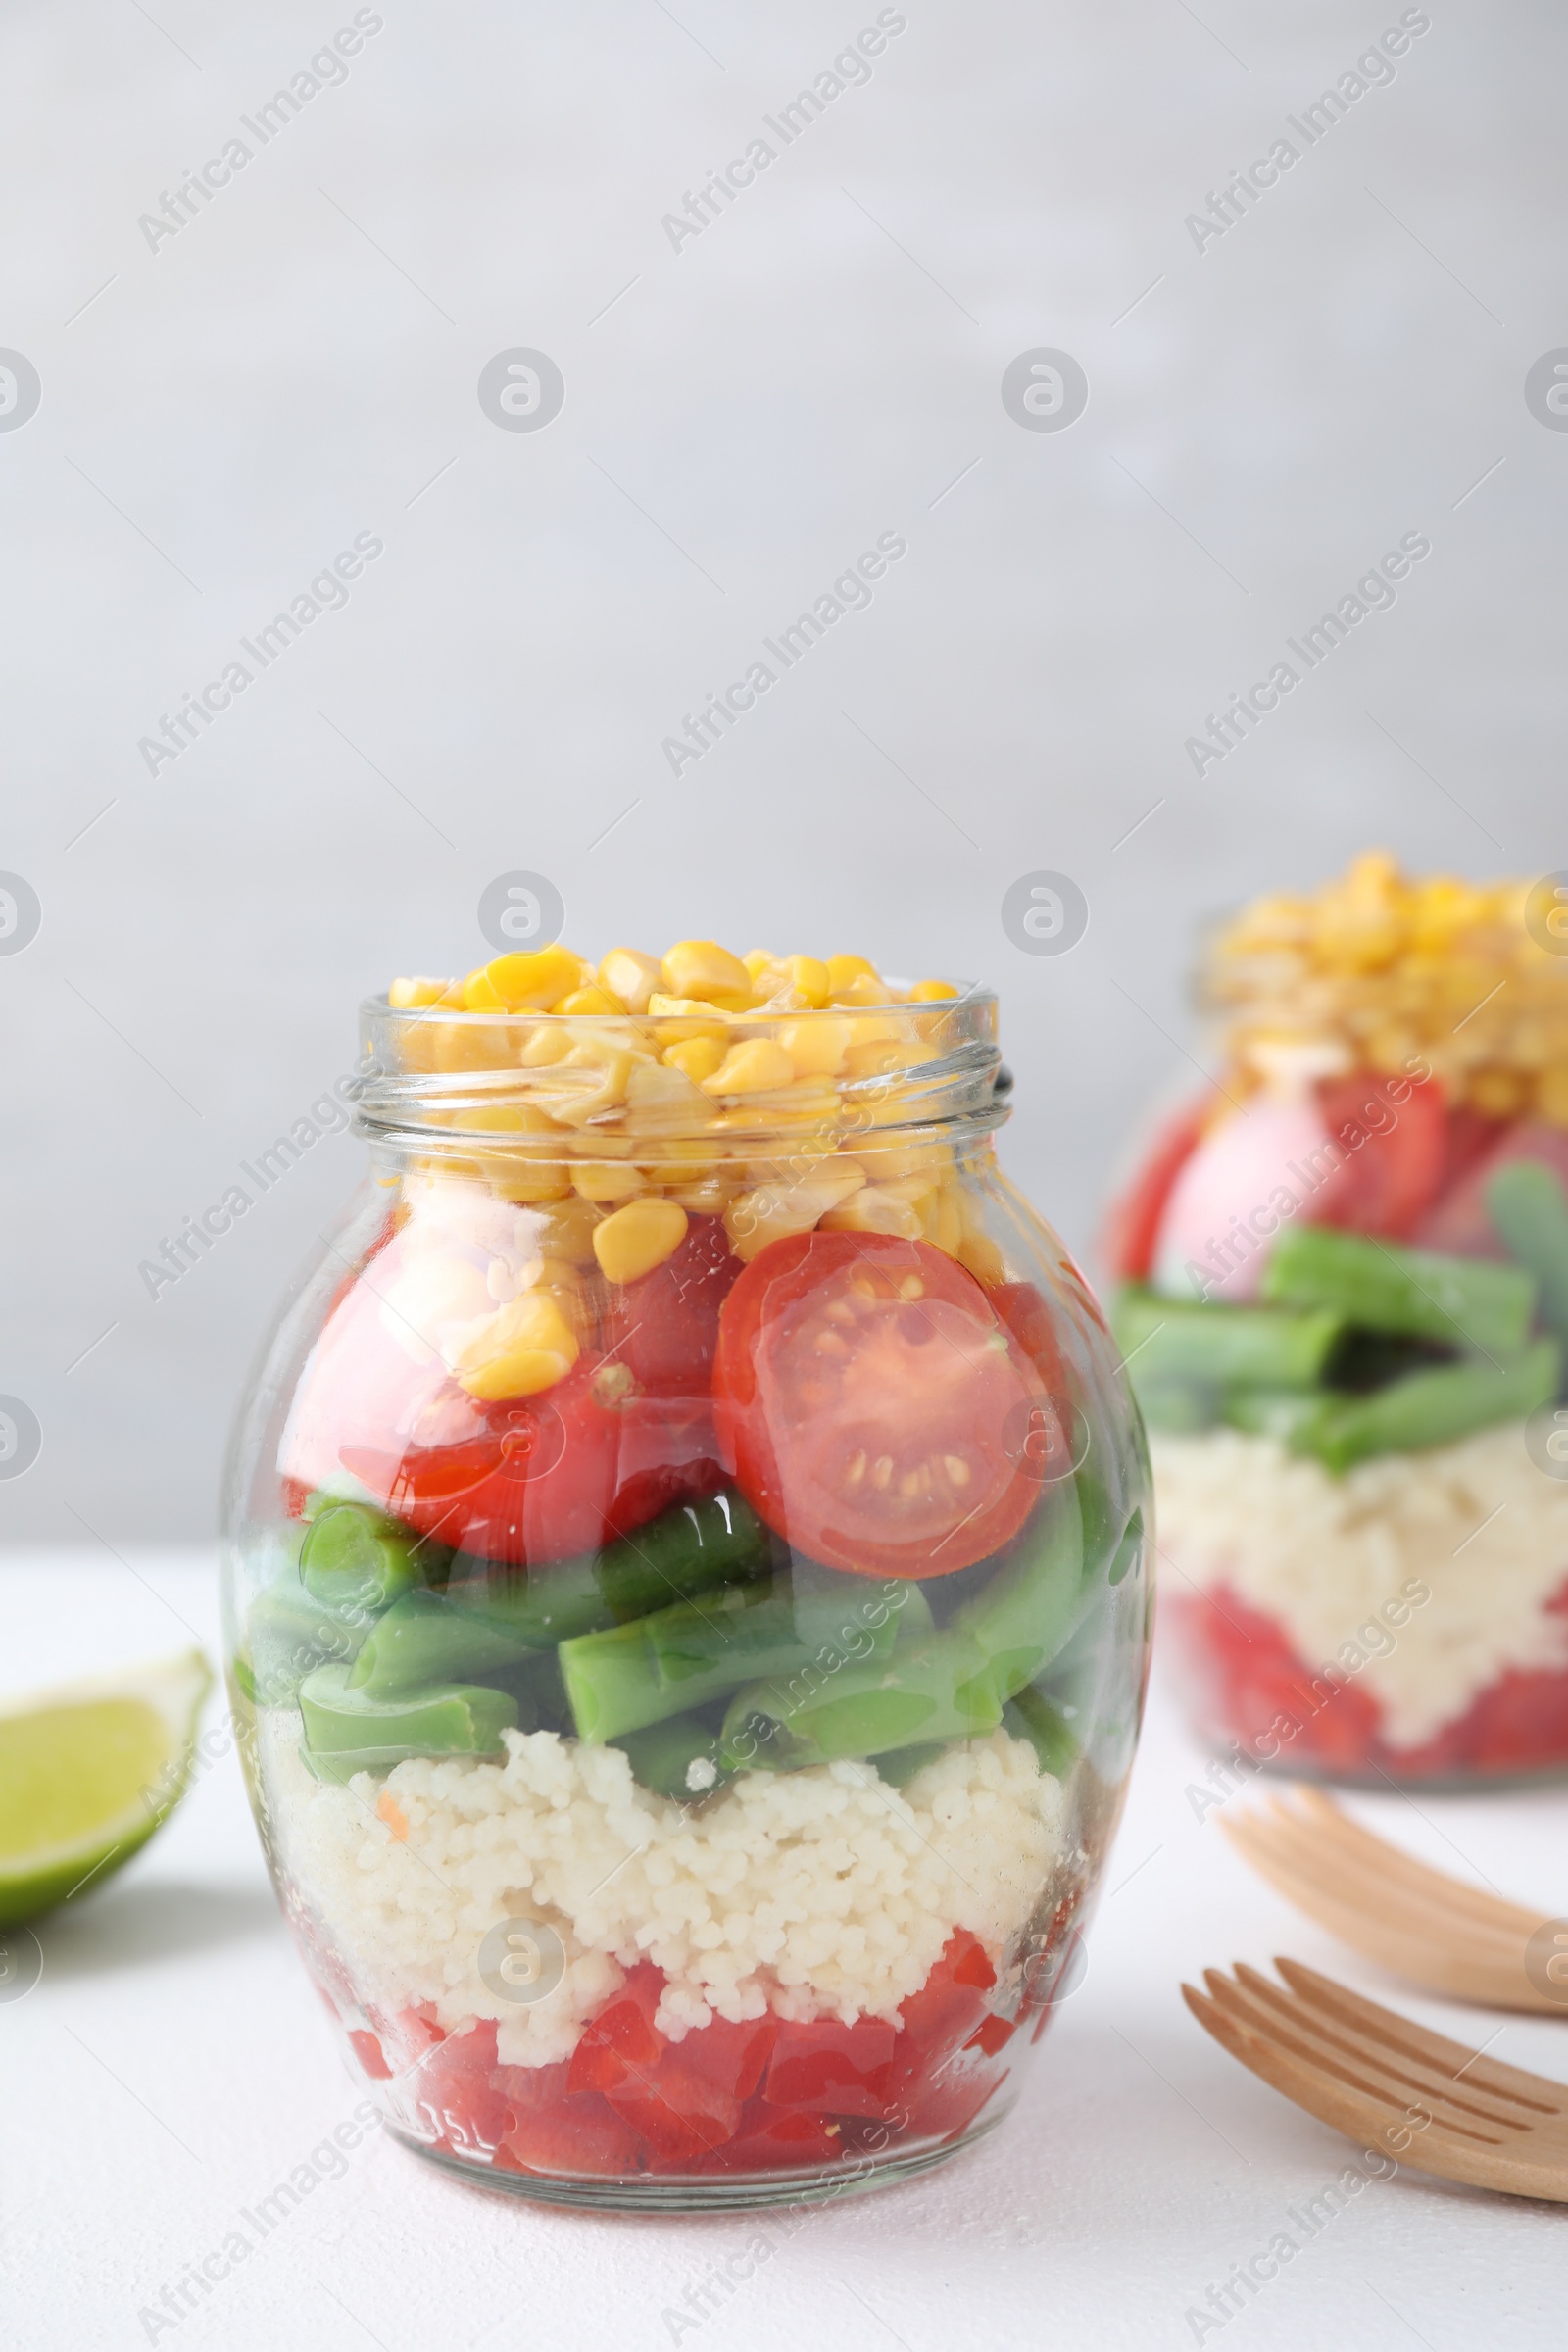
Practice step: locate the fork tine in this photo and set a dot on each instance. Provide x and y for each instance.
(1347, 1839)
(1533, 2091)
(1309, 2037)
(1366, 1871)
(1366, 2118)
(1414, 1941)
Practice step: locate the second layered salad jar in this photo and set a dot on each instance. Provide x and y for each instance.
(687, 1583)
(1345, 1309)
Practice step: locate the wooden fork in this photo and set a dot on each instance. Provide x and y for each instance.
(1418, 1922)
(1388, 2083)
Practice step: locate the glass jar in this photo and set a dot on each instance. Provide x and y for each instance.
(1345, 1311)
(687, 1600)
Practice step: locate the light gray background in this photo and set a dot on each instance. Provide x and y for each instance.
(300, 364)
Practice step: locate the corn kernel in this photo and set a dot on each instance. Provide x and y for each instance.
(842, 969)
(638, 1237)
(708, 1196)
(524, 1348)
(698, 1058)
(815, 1048)
(605, 1180)
(980, 1256)
(810, 979)
(753, 1067)
(765, 1215)
(661, 1092)
(675, 1017)
(1551, 1095)
(759, 960)
(874, 1210)
(867, 989)
(480, 993)
(566, 1231)
(530, 983)
(700, 968)
(545, 1046)
(406, 996)
(591, 999)
(629, 977)
(931, 992)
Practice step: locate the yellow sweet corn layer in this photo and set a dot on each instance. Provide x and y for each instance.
(628, 1126)
(1382, 968)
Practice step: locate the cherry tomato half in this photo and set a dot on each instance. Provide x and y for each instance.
(551, 1476)
(872, 1403)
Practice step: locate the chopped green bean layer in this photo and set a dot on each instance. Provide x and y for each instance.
(1180, 1341)
(356, 1557)
(1466, 1303)
(1428, 1408)
(692, 1549)
(346, 1731)
(1529, 1208)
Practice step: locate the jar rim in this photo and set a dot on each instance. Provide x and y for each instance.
(438, 1072)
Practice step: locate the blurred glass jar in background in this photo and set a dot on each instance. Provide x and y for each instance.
(1345, 1305)
(687, 1597)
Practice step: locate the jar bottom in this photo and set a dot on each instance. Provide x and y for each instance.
(674, 2193)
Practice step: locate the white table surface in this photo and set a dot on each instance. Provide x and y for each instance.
(172, 2064)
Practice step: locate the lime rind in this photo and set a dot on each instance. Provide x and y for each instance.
(40, 1879)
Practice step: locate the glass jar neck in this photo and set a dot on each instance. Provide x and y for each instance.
(552, 1086)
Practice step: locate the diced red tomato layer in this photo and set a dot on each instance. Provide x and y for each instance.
(765, 2094)
(1246, 1684)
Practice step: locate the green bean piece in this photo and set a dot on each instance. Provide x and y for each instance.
(940, 1689)
(1429, 1408)
(1030, 1715)
(1184, 1341)
(683, 1553)
(1466, 1303)
(423, 1639)
(1023, 1614)
(288, 1633)
(676, 1659)
(1181, 1406)
(347, 1731)
(356, 1557)
(1529, 1206)
(679, 1758)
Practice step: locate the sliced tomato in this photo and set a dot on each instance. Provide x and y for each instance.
(1028, 1316)
(1397, 1156)
(664, 1328)
(548, 1477)
(874, 1405)
(1132, 1222)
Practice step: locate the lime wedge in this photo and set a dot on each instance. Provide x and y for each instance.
(88, 1772)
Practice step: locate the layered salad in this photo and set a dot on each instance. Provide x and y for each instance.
(689, 1586)
(1343, 1306)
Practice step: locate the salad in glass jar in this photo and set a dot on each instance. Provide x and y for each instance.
(1344, 1309)
(687, 1581)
